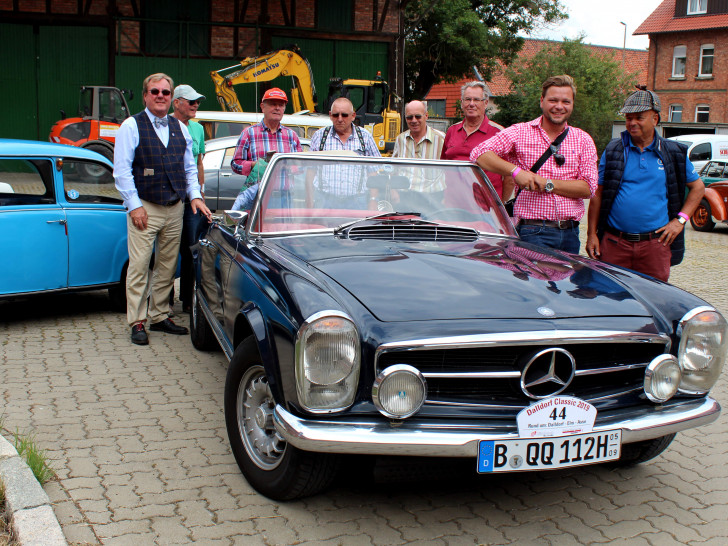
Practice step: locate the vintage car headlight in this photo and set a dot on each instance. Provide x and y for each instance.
(662, 378)
(327, 362)
(399, 391)
(702, 350)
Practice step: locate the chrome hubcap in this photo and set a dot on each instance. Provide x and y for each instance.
(255, 405)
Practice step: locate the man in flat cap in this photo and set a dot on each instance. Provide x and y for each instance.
(637, 216)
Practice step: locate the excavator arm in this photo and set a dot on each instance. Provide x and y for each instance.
(264, 68)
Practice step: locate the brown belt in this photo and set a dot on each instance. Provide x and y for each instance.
(633, 237)
(558, 224)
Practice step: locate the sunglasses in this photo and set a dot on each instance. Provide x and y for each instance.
(340, 115)
(415, 116)
(192, 102)
(558, 158)
(165, 92)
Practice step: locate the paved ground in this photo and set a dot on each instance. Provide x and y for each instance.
(138, 439)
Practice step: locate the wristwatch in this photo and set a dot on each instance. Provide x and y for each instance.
(549, 187)
(682, 220)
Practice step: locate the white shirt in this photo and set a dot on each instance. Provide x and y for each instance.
(127, 140)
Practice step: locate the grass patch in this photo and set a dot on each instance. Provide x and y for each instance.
(35, 457)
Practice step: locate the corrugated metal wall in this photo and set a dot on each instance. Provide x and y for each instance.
(43, 72)
(18, 82)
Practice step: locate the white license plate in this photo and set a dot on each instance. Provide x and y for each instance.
(548, 453)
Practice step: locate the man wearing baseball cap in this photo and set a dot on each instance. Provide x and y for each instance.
(266, 136)
(186, 101)
(638, 214)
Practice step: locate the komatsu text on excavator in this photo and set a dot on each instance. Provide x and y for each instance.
(372, 100)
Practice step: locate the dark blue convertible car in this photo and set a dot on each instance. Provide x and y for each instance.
(385, 306)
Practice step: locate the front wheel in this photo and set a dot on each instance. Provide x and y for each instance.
(272, 466)
(702, 218)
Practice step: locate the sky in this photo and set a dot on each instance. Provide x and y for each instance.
(600, 21)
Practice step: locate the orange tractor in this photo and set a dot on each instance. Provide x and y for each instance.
(101, 111)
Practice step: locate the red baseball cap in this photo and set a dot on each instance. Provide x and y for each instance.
(275, 94)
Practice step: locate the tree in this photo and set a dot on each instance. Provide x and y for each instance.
(601, 85)
(446, 38)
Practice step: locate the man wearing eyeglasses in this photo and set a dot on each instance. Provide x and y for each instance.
(637, 216)
(186, 101)
(342, 185)
(475, 128)
(154, 170)
(550, 202)
(419, 140)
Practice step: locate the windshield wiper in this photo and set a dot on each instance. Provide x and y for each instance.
(377, 217)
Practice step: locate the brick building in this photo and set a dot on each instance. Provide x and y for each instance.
(50, 48)
(443, 97)
(688, 62)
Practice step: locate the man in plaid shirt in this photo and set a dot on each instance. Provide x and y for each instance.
(267, 136)
(550, 204)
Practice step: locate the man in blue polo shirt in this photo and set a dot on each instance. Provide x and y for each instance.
(638, 214)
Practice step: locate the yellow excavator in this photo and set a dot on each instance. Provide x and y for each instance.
(373, 102)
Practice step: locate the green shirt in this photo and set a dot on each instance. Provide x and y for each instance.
(198, 138)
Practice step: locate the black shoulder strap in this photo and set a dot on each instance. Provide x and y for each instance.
(327, 130)
(557, 142)
(361, 140)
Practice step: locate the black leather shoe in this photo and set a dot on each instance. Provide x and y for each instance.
(168, 327)
(139, 334)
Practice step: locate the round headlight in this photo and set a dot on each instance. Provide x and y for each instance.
(702, 350)
(399, 391)
(662, 378)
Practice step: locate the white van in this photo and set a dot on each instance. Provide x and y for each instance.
(224, 124)
(704, 148)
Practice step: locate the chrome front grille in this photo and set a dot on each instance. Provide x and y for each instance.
(413, 232)
(488, 374)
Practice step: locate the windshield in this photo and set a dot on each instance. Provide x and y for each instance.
(313, 192)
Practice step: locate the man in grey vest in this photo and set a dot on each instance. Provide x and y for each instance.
(154, 171)
(639, 211)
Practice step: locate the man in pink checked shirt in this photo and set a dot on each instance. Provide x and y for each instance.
(550, 202)
(266, 136)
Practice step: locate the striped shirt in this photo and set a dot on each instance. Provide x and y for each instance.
(523, 144)
(344, 179)
(430, 147)
(257, 140)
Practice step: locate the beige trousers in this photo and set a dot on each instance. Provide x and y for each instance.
(164, 226)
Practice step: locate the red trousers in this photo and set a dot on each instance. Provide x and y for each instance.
(649, 257)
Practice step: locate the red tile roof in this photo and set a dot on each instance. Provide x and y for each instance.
(635, 60)
(663, 20)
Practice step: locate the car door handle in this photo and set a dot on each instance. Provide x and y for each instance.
(205, 242)
(226, 175)
(62, 222)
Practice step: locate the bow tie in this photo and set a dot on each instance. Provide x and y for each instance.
(160, 122)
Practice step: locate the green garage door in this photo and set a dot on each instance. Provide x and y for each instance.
(43, 71)
(18, 82)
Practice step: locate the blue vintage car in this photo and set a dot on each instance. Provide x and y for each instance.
(388, 307)
(62, 221)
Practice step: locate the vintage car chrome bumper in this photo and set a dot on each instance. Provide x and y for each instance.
(414, 437)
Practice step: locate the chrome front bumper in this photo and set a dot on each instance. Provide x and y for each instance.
(449, 439)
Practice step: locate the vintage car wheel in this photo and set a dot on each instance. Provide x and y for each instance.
(640, 452)
(117, 293)
(274, 468)
(201, 333)
(702, 218)
(93, 170)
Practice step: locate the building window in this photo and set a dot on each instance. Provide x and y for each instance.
(675, 113)
(436, 108)
(335, 15)
(702, 113)
(169, 28)
(706, 60)
(678, 61)
(697, 6)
